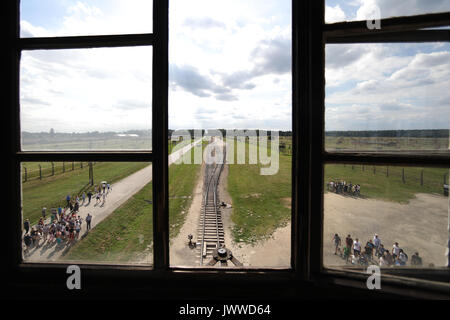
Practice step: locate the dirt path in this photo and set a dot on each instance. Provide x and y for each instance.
(180, 253)
(420, 225)
(120, 193)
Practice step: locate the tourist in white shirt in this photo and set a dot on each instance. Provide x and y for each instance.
(395, 250)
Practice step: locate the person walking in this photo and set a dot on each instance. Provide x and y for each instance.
(89, 194)
(376, 242)
(44, 212)
(416, 260)
(59, 212)
(337, 243)
(395, 250)
(88, 221)
(357, 248)
(26, 226)
(349, 242)
(68, 200)
(28, 240)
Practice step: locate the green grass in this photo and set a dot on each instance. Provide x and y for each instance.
(379, 186)
(261, 204)
(52, 191)
(124, 143)
(120, 237)
(33, 171)
(385, 143)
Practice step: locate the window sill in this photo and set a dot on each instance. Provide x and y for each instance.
(419, 283)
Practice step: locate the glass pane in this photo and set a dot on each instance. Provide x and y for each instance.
(374, 209)
(86, 99)
(230, 69)
(349, 10)
(115, 196)
(55, 18)
(387, 97)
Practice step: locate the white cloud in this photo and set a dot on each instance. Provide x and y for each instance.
(390, 88)
(334, 14)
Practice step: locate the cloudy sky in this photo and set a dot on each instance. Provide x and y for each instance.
(229, 68)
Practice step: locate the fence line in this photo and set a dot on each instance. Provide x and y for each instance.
(418, 177)
(45, 172)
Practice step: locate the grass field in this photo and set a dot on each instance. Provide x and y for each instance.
(387, 183)
(123, 143)
(120, 237)
(261, 203)
(126, 235)
(385, 143)
(52, 191)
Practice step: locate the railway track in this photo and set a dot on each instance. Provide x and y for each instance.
(210, 228)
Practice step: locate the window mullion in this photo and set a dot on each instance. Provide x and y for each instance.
(398, 24)
(394, 37)
(160, 135)
(82, 42)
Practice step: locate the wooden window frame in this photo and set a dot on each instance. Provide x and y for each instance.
(405, 29)
(309, 36)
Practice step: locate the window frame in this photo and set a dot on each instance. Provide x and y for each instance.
(404, 29)
(309, 36)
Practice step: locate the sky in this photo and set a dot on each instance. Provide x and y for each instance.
(229, 67)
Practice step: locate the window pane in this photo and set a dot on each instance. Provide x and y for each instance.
(387, 97)
(120, 230)
(384, 205)
(230, 69)
(55, 18)
(86, 99)
(346, 10)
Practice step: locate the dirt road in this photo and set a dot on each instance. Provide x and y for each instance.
(420, 225)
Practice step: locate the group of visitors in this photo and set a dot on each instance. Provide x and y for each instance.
(66, 228)
(64, 224)
(344, 188)
(373, 252)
